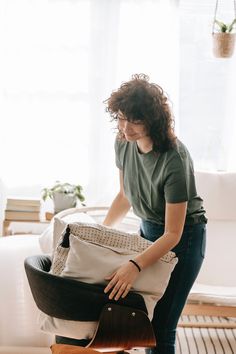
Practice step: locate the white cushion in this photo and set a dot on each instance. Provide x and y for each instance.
(220, 253)
(219, 295)
(46, 239)
(49, 238)
(218, 191)
(65, 328)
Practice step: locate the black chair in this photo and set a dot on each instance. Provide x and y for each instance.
(122, 324)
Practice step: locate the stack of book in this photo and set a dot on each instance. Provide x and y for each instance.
(22, 209)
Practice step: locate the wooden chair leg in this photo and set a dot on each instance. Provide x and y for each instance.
(122, 328)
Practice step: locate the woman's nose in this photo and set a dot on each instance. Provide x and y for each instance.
(126, 124)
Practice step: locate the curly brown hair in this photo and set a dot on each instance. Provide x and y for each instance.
(139, 100)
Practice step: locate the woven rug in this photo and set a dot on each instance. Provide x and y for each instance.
(205, 340)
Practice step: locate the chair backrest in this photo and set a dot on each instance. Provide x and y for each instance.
(122, 324)
(70, 299)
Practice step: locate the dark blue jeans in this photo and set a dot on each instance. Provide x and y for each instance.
(190, 252)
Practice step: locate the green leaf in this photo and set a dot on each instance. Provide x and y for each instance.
(66, 188)
(231, 25)
(222, 25)
(46, 193)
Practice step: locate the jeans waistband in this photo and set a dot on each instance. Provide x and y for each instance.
(152, 230)
(196, 219)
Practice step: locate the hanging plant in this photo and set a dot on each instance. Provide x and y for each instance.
(223, 36)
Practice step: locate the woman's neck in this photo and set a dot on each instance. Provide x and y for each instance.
(145, 145)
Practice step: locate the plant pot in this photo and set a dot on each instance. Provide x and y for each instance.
(223, 44)
(63, 201)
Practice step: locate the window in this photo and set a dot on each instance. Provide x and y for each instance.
(59, 61)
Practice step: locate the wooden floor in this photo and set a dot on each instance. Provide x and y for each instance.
(194, 340)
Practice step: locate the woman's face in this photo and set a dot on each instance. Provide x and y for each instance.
(132, 131)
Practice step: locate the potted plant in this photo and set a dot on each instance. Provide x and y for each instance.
(224, 39)
(64, 195)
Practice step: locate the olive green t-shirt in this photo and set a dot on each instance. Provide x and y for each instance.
(153, 179)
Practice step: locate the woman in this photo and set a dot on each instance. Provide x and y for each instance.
(157, 181)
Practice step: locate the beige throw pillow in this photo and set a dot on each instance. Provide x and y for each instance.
(91, 263)
(94, 252)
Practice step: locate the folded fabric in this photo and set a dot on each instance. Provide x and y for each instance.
(65, 328)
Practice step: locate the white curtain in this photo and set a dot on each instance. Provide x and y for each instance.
(59, 60)
(207, 115)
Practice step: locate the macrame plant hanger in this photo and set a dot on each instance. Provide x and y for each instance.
(223, 42)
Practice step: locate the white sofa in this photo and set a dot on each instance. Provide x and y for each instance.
(216, 283)
(218, 191)
(18, 329)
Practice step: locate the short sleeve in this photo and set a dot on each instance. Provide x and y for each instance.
(118, 154)
(179, 185)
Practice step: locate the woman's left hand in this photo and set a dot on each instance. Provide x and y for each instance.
(121, 281)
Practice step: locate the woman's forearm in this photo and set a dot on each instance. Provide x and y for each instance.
(117, 211)
(175, 214)
(159, 248)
